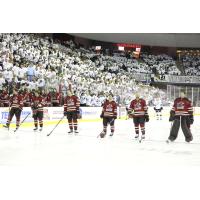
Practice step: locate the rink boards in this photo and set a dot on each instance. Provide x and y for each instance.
(89, 114)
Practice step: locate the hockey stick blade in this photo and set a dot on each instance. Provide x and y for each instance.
(21, 123)
(55, 126)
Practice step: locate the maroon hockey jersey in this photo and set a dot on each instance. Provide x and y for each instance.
(138, 108)
(4, 97)
(182, 107)
(55, 98)
(38, 103)
(16, 101)
(71, 103)
(109, 109)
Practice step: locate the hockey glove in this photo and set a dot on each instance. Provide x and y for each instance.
(34, 113)
(78, 114)
(191, 117)
(39, 105)
(18, 112)
(146, 118)
(172, 116)
(115, 117)
(65, 113)
(102, 115)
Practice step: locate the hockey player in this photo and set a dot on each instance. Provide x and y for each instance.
(138, 111)
(71, 110)
(109, 114)
(16, 106)
(55, 98)
(158, 109)
(48, 99)
(4, 97)
(27, 98)
(37, 105)
(181, 113)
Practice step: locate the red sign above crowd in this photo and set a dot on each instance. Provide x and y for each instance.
(128, 45)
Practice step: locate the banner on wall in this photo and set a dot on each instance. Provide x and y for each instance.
(55, 113)
(51, 113)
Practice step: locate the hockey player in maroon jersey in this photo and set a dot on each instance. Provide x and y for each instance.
(181, 114)
(71, 110)
(138, 111)
(16, 106)
(48, 99)
(55, 98)
(4, 97)
(37, 105)
(27, 98)
(109, 114)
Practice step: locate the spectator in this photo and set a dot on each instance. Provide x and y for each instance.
(30, 72)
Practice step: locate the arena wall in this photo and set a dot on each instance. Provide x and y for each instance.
(89, 114)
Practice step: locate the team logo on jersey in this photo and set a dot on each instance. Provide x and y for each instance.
(180, 105)
(109, 107)
(138, 106)
(70, 102)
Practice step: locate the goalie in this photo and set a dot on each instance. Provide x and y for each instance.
(181, 114)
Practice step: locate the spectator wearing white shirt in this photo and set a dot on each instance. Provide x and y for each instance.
(41, 84)
(2, 81)
(31, 72)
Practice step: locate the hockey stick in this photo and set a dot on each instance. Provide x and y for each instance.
(9, 114)
(22, 122)
(103, 131)
(56, 126)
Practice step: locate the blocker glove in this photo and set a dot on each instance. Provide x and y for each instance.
(172, 116)
(146, 118)
(102, 115)
(191, 117)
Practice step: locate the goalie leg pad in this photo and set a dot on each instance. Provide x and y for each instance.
(174, 130)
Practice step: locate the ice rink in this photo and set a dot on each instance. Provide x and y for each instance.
(61, 166)
(29, 148)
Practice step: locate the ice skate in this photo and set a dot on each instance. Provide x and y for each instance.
(40, 129)
(16, 129)
(6, 126)
(136, 136)
(169, 141)
(70, 132)
(102, 134)
(76, 132)
(111, 134)
(142, 138)
(35, 129)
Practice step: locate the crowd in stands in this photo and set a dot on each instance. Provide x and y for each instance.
(31, 62)
(191, 65)
(161, 65)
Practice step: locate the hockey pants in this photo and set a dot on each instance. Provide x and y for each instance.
(183, 121)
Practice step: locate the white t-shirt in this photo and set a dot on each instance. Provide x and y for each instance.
(32, 85)
(7, 65)
(83, 99)
(2, 81)
(41, 82)
(88, 100)
(22, 72)
(15, 70)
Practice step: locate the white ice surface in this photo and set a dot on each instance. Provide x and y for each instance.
(34, 166)
(28, 148)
